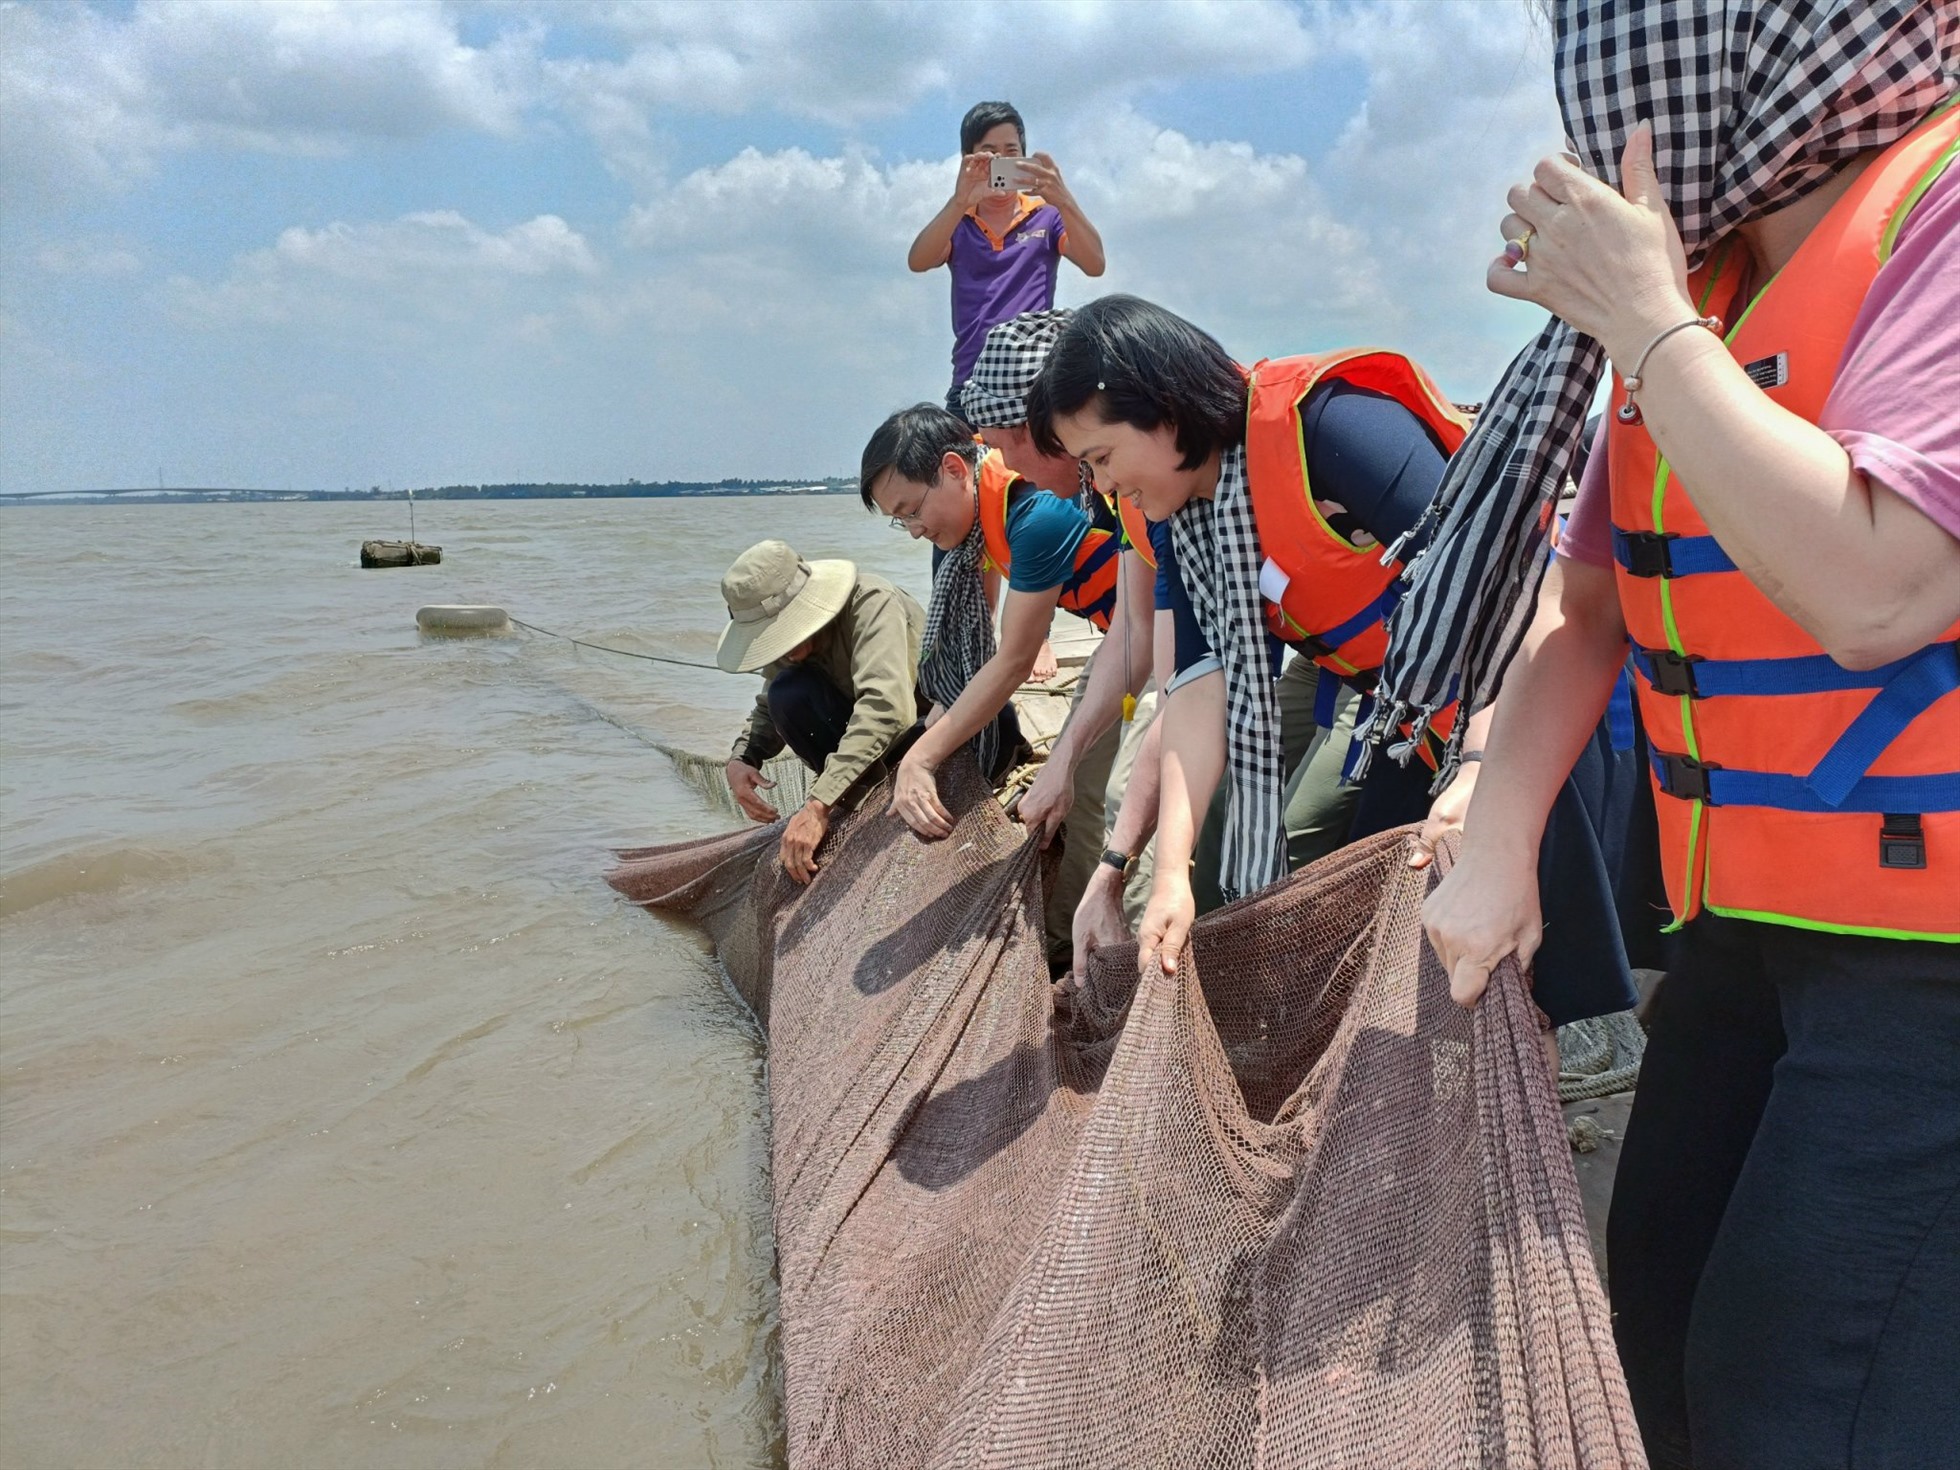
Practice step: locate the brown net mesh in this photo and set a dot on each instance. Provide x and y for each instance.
(1289, 1207)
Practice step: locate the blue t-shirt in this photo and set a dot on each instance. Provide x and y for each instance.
(1365, 451)
(1043, 531)
(1044, 535)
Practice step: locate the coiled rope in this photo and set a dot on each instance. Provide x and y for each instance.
(1600, 1057)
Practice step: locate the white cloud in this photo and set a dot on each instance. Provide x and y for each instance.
(436, 243)
(88, 101)
(1459, 107)
(1243, 242)
(753, 316)
(88, 258)
(846, 62)
(435, 266)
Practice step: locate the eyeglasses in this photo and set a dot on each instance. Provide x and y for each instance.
(906, 521)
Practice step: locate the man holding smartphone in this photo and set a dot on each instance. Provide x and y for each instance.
(1003, 233)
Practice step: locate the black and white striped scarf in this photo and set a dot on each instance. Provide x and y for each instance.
(959, 636)
(1754, 103)
(1218, 558)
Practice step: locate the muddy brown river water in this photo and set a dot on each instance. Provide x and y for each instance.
(346, 1118)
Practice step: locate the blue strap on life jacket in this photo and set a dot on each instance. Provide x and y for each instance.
(1091, 556)
(1707, 678)
(1664, 554)
(1327, 690)
(1922, 680)
(1370, 615)
(1720, 786)
(1839, 782)
(1619, 711)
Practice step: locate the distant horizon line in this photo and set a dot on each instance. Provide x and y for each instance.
(507, 490)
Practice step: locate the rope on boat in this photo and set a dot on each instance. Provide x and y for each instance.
(1600, 1057)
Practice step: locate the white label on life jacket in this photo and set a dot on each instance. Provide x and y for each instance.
(1272, 581)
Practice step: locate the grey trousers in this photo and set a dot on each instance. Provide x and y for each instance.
(1088, 820)
(1318, 806)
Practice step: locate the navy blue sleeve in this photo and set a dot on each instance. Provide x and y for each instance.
(1373, 456)
(1191, 645)
(1166, 558)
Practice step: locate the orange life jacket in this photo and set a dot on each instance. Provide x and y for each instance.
(1789, 789)
(1090, 591)
(1323, 592)
(1137, 528)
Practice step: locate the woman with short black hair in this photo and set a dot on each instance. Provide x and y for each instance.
(1281, 497)
(1272, 494)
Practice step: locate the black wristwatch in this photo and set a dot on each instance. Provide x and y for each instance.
(1121, 861)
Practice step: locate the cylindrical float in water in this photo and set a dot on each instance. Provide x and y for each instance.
(455, 618)
(399, 554)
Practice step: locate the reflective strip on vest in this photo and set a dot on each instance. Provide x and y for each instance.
(1789, 789)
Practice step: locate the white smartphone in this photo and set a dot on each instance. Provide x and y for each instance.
(1006, 174)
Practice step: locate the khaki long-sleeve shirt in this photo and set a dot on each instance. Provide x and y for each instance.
(870, 651)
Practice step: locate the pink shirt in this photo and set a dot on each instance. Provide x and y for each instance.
(1896, 404)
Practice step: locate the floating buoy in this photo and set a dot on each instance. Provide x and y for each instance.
(399, 554)
(462, 618)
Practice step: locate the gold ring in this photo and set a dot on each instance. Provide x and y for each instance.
(1520, 248)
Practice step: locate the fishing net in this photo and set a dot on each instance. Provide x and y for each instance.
(1288, 1207)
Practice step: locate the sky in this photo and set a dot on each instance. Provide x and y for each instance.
(327, 243)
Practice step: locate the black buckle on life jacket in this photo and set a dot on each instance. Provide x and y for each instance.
(1672, 673)
(1315, 647)
(1902, 841)
(1647, 553)
(1684, 777)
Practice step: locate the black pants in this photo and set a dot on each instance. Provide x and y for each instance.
(811, 714)
(1784, 1242)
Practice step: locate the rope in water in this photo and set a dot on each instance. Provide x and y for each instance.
(1063, 689)
(652, 658)
(790, 777)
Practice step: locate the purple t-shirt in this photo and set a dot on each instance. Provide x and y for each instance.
(997, 277)
(1895, 406)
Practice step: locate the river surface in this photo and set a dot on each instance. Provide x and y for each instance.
(346, 1117)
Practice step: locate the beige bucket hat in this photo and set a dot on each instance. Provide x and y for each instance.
(775, 600)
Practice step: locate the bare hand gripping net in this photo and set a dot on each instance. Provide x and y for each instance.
(1290, 1207)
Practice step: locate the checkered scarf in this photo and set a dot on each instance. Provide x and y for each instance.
(959, 636)
(996, 395)
(1218, 557)
(1754, 103)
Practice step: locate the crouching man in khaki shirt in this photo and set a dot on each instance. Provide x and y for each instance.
(837, 650)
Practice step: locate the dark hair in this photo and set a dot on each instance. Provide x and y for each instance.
(912, 442)
(1145, 367)
(982, 118)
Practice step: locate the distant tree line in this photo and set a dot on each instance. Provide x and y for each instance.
(631, 490)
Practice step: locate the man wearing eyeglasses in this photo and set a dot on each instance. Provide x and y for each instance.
(924, 469)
